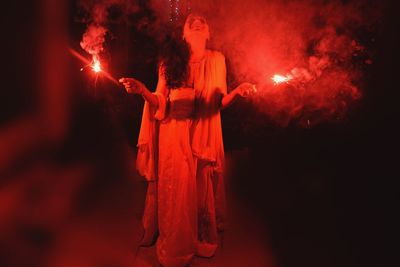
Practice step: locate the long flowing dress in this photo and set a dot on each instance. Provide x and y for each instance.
(165, 158)
(177, 218)
(209, 81)
(181, 154)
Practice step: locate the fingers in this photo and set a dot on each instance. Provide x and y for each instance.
(128, 88)
(128, 83)
(127, 80)
(131, 85)
(247, 89)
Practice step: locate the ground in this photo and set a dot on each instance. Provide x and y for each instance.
(65, 216)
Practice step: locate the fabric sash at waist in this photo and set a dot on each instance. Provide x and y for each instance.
(181, 109)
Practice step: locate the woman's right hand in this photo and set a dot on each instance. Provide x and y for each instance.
(132, 85)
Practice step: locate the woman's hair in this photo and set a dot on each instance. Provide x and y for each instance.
(174, 60)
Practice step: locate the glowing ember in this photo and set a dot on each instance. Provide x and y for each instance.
(281, 79)
(96, 66)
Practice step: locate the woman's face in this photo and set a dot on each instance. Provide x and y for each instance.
(196, 27)
(196, 23)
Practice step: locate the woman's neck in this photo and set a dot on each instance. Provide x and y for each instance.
(198, 51)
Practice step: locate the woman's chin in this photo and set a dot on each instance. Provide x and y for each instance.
(196, 37)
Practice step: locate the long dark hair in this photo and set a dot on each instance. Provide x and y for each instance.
(174, 59)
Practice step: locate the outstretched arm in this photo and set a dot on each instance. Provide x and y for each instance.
(134, 86)
(243, 90)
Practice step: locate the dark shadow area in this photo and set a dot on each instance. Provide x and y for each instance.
(325, 194)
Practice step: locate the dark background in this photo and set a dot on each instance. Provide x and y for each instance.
(326, 194)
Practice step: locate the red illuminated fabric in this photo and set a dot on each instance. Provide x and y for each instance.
(182, 156)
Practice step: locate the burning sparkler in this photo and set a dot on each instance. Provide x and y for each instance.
(95, 65)
(92, 42)
(277, 78)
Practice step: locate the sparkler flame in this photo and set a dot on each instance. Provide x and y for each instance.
(277, 78)
(96, 66)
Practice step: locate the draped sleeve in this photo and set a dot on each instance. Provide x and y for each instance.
(210, 87)
(220, 70)
(146, 161)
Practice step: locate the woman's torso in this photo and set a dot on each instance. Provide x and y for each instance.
(180, 103)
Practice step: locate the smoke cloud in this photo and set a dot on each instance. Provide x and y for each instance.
(93, 39)
(320, 44)
(97, 17)
(324, 46)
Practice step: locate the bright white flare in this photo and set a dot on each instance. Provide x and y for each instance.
(280, 78)
(96, 66)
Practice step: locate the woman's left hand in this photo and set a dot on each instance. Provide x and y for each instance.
(246, 89)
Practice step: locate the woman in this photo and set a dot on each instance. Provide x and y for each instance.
(185, 168)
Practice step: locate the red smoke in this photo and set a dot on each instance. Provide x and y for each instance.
(93, 39)
(95, 35)
(315, 42)
(98, 10)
